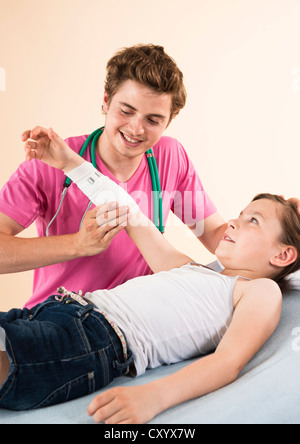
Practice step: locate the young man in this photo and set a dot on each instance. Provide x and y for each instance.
(144, 91)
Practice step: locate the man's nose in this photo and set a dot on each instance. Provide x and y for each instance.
(136, 127)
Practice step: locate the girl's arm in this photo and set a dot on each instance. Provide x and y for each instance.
(255, 320)
(157, 251)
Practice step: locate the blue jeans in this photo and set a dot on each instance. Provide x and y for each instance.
(58, 351)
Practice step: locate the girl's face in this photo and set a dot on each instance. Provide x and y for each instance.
(251, 241)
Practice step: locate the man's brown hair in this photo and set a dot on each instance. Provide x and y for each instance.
(150, 66)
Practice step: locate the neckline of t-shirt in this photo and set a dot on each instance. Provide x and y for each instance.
(105, 170)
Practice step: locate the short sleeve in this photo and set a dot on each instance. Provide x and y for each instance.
(191, 203)
(20, 198)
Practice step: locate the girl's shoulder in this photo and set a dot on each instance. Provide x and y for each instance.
(257, 289)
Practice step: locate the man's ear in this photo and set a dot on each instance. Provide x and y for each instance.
(287, 256)
(106, 101)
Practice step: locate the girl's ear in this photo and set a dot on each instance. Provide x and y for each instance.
(287, 256)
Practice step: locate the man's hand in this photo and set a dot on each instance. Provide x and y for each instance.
(45, 145)
(99, 227)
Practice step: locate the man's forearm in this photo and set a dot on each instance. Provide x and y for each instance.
(19, 254)
(214, 230)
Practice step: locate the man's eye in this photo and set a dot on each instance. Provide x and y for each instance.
(153, 122)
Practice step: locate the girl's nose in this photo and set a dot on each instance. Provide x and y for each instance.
(233, 224)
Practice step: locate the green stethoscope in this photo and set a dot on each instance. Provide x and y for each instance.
(157, 194)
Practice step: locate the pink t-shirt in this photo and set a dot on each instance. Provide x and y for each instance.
(34, 191)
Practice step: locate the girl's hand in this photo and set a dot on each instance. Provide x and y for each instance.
(45, 145)
(126, 405)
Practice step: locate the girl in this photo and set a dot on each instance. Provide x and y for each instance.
(71, 346)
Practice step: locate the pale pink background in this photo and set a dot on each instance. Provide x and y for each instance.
(241, 61)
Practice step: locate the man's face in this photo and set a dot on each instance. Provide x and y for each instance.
(136, 118)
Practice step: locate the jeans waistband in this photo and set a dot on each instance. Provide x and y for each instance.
(78, 298)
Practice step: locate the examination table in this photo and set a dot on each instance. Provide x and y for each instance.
(267, 391)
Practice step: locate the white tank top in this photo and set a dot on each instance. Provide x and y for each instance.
(170, 316)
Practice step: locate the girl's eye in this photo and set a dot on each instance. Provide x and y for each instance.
(254, 221)
(125, 112)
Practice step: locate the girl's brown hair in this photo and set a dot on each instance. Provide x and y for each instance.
(150, 66)
(290, 222)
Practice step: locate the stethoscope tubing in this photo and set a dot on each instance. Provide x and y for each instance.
(156, 187)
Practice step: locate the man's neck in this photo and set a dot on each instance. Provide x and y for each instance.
(121, 167)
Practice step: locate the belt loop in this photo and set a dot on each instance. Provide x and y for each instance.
(123, 366)
(84, 310)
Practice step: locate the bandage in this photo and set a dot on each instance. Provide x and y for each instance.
(99, 188)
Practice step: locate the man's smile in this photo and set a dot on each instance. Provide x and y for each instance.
(129, 140)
